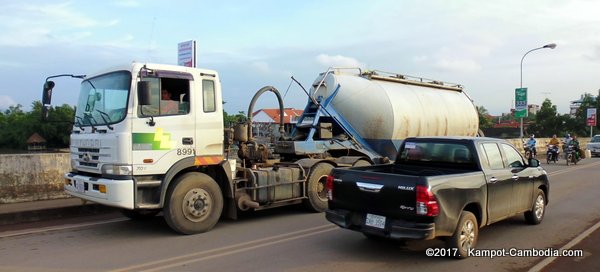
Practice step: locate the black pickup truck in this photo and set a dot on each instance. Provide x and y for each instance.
(439, 187)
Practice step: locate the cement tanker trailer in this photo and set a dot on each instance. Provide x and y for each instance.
(369, 113)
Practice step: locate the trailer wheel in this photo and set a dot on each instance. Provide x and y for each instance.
(317, 194)
(139, 215)
(193, 204)
(465, 236)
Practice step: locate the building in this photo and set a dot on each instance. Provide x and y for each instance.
(577, 103)
(266, 121)
(35, 142)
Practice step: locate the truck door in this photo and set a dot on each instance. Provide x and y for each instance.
(209, 119)
(161, 134)
(499, 183)
(522, 179)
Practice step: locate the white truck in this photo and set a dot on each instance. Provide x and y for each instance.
(150, 137)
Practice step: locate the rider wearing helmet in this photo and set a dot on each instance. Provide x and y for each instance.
(531, 144)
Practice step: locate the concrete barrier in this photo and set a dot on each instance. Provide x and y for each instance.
(39, 176)
(30, 177)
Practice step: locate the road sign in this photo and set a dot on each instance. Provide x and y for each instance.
(186, 53)
(521, 102)
(591, 117)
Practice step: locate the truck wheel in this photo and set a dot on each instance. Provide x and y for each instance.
(193, 203)
(536, 215)
(317, 194)
(139, 214)
(361, 162)
(465, 236)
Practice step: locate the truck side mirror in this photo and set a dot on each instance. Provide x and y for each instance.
(47, 98)
(143, 90)
(47, 92)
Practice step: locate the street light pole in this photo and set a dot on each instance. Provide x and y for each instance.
(551, 46)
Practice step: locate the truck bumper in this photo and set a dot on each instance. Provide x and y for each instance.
(394, 228)
(116, 193)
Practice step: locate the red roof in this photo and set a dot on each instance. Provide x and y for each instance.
(287, 117)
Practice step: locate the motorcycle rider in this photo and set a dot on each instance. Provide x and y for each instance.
(531, 144)
(575, 144)
(554, 141)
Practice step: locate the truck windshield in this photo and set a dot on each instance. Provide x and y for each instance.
(103, 99)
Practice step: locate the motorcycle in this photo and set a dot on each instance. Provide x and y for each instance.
(571, 155)
(529, 151)
(552, 154)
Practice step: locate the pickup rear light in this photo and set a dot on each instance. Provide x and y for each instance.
(329, 187)
(426, 202)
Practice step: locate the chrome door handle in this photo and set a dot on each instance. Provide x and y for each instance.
(493, 180)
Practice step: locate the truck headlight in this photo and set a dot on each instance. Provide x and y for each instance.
(115, 169)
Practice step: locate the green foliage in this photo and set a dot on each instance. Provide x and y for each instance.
(547, 121)
(16, 126)
(230, 120)
(485, 120)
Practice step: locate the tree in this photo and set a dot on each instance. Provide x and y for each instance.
(547, 121)
(16, 126)
(485, 120)
(230, 120)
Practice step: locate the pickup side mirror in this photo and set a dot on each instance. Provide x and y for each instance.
(47, 98)
(534, 162)
(143, 91)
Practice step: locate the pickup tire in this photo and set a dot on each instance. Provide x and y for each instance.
(465, 236)
(193, 204)
(316, 191)
(139, 215)
(536, 215)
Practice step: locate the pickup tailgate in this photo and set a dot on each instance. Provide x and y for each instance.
(390, 195)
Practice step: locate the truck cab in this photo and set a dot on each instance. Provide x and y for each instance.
(116, 138)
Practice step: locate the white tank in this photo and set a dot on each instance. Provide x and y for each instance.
(386, 109)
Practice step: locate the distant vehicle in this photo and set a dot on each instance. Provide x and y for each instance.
(551, 153)
(571, 155)
(594, 145)
(439, 187)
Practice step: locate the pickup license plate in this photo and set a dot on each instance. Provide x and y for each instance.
(79, 186)
(376, 221)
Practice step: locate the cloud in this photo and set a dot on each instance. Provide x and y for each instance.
(6, 101)
(338, 61)
(457, 65)
(30, 25)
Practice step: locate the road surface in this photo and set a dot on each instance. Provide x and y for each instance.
(292, 239)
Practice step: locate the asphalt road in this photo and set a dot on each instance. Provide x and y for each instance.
(291, 239)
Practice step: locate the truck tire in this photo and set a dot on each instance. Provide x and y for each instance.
(193, 203)
(361, 162)
(536, 215)
(465, 236)
(317, 194)
(139, 215)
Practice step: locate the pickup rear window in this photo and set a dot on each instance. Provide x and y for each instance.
(437, 153)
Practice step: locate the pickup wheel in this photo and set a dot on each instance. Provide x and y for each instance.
(465, 236)
(139, 215)
(193, 203)
(317, 194)
(536, 215)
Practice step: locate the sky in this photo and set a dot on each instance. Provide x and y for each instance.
(254, 43)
